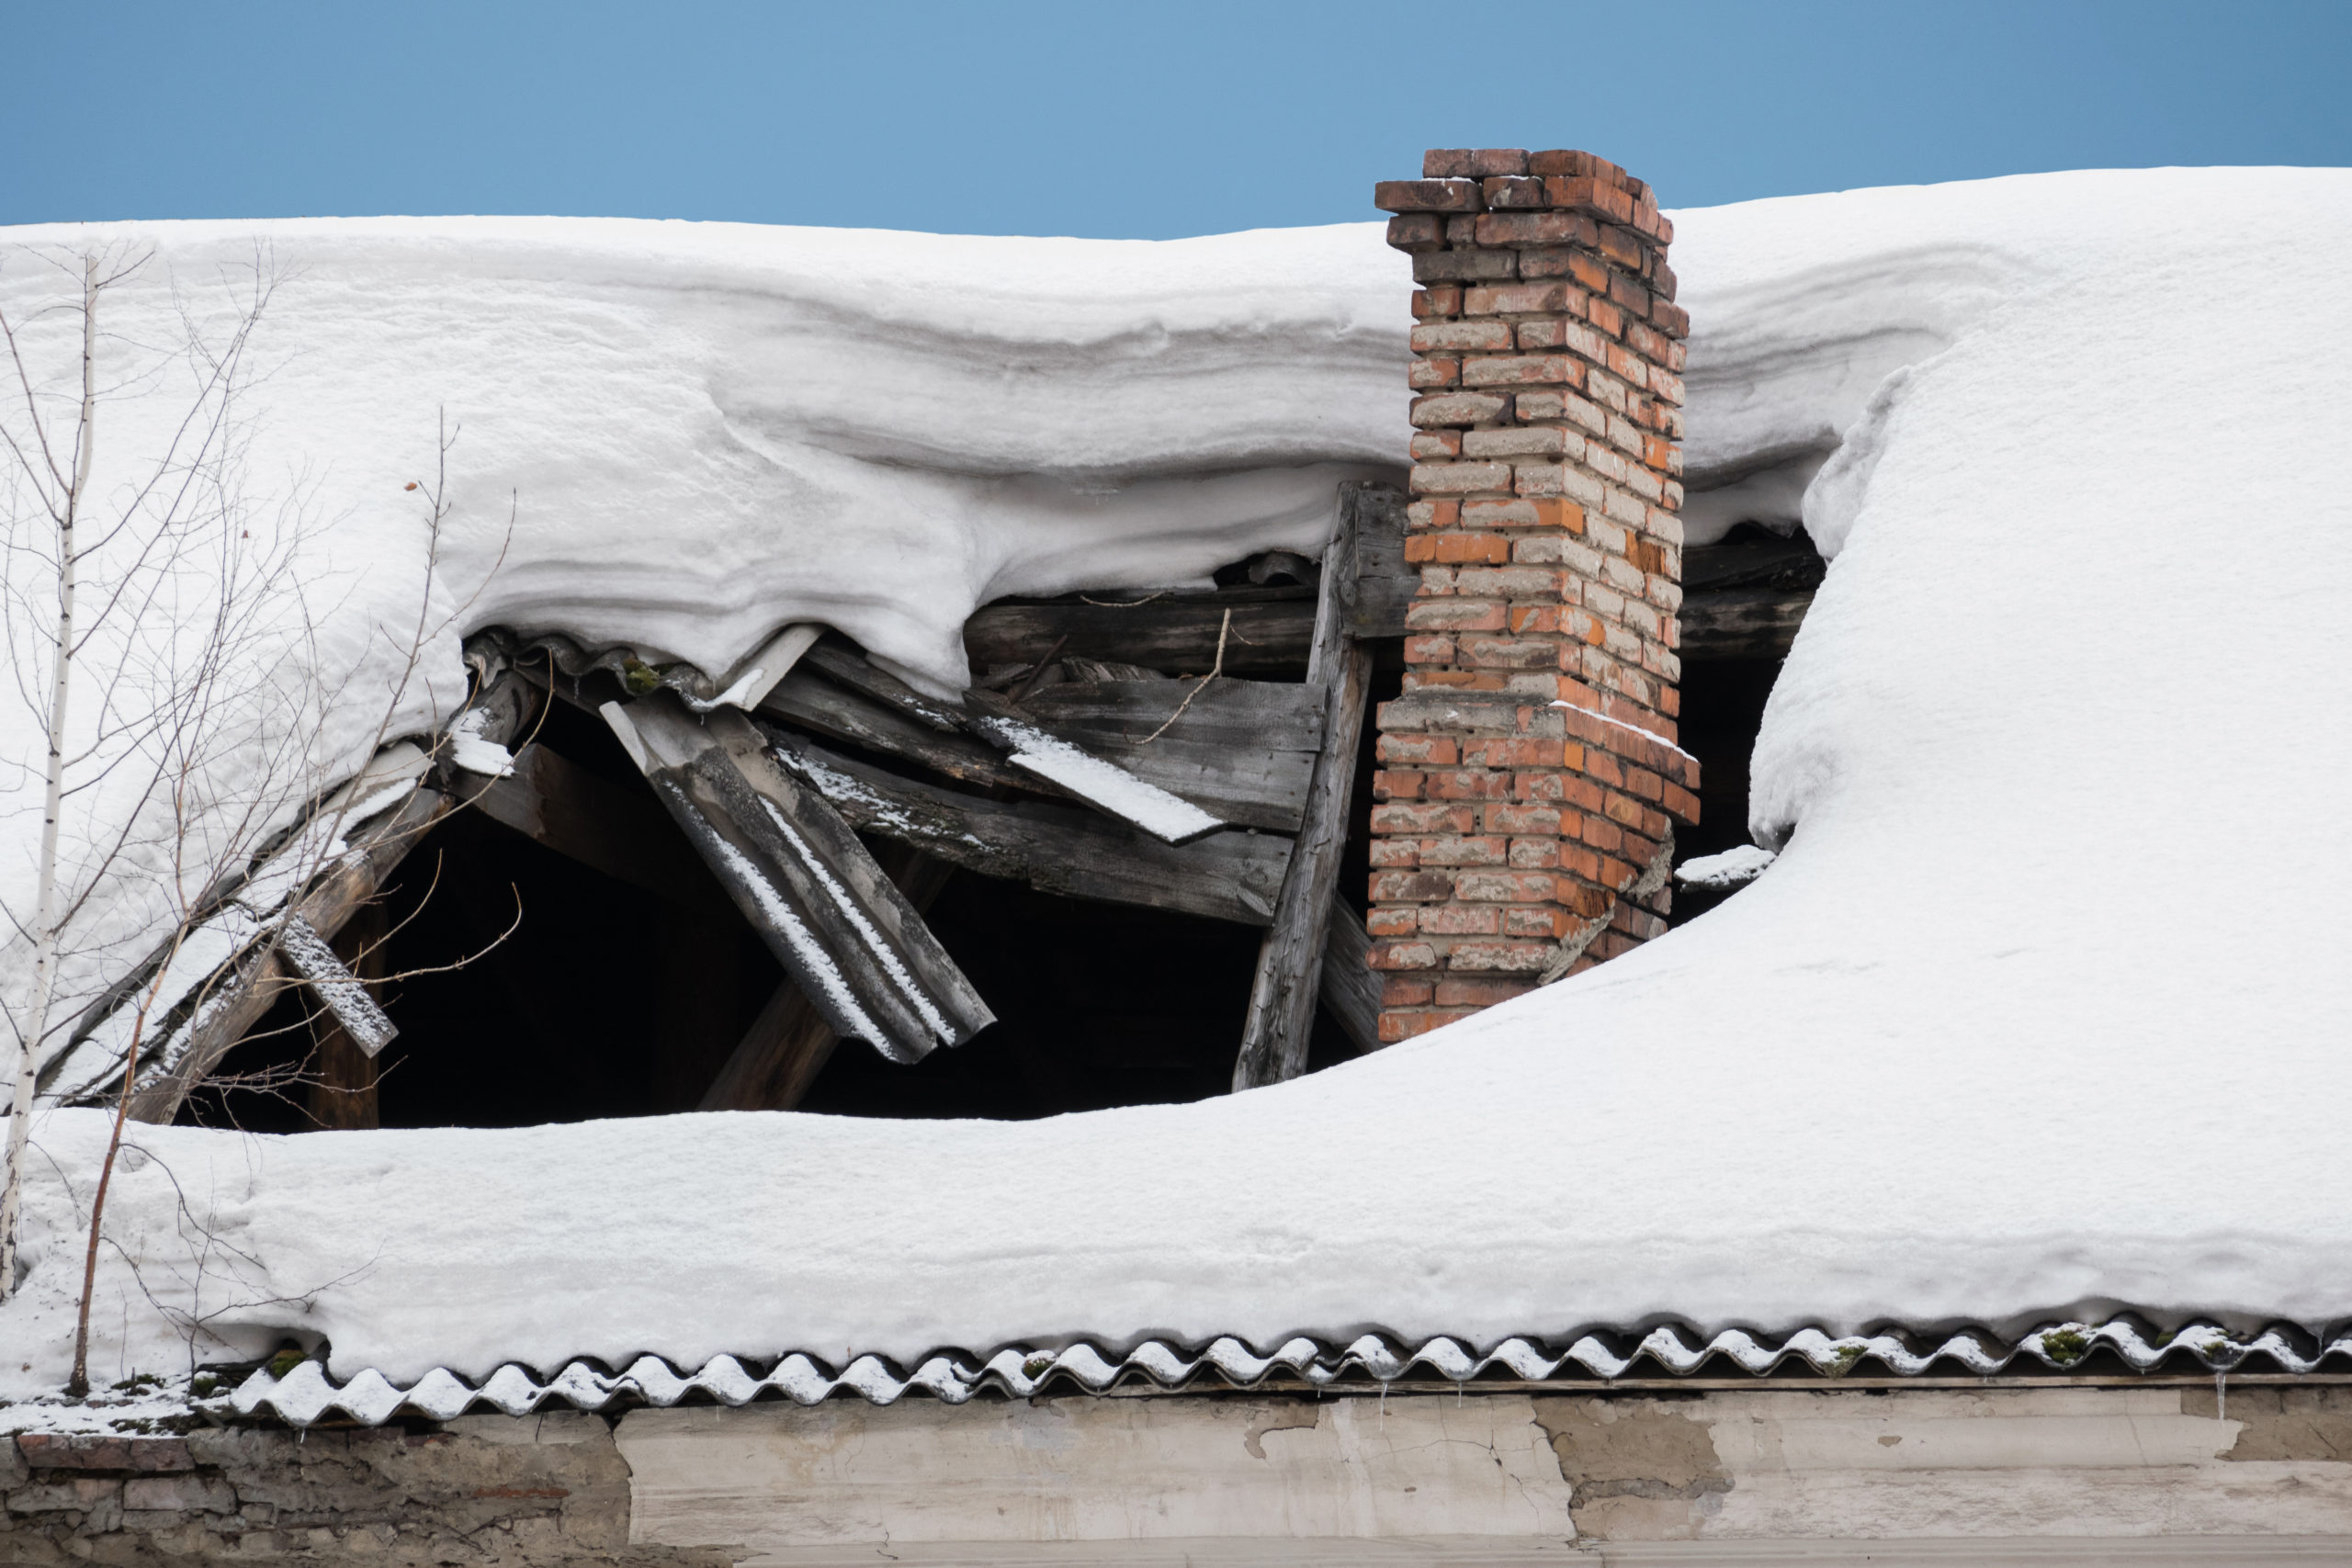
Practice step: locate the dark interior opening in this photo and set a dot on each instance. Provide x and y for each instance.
(606, 1000)
(1725, 684)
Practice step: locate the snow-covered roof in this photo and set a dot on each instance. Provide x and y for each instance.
(2038, 1014)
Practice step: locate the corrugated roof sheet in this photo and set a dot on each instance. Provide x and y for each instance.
(305, 1395)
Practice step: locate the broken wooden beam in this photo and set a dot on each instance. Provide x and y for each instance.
(830, 915)
(1280, 1020)
(343, 994)
(1233, 874)
(786, 1047)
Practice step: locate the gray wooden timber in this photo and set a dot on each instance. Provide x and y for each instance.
(815, 702)
(832, 917)
(1290, 961)
(850, 669)
(1273, 630)
(605, 826)
(1746, 600)
(1233, 874)
(1384, 585)
(781, 1055)
(1243, 750)
(1742, 622)
(1351, 989)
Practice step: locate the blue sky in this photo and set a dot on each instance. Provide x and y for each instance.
(1143, 120)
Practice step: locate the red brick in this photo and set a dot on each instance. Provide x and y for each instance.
(1460, 920)
(1399, 1027)
(1395, 854)
(1565, 160)
(1669, 318)
(1388, 783)
(1403, 956)
(1403, 991)
(1451, 548)
(1445, 299)
(1469, 784)
(1597, 196)
(1433, 373)
(1521, 820)
(1402, 921)
(1415, 232)
(1552, 923)
(1535, 854)
(1464, 852)
(1478, 333)
(1523, 300)
(1454, 615)
(1431, 446)
(1443, 409)
(1464, 267)
(1523, 370)
(1453, 992)
(1433, 515)
(1424, 819)
(1460, 478)
(1682, 804)
(1429, 196)
(1410, 886)
(1532, 229)
(1500, 957)
(1510, 190)
(1507, 886)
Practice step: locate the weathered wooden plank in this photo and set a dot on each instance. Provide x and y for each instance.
(1242, 749)
(1351, 992)
(802, 879)
(780, 1056)
(616, 830)
(1742, 622)
(1385, 584)
(1273, 630)
(1275, 1035)
(816, 702)
(1232, 875)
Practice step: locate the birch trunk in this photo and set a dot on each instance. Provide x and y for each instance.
(60, 690)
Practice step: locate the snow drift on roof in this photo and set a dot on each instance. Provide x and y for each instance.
(2040, 1009)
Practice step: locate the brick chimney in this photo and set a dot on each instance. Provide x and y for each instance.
(1523, 825)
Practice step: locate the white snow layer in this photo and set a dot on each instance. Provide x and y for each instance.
(2041, 1011)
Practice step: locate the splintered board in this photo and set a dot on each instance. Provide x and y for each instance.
(858, 950)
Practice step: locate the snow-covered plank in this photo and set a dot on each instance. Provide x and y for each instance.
(1104, 786)
(1242, 749)
(1235, 874)
(845, 933)
(343, 994)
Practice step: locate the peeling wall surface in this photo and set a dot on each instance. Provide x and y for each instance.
(2059, 1475)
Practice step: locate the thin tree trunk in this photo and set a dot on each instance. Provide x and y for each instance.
(61, 687)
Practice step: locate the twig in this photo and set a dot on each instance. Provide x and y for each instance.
(1214, 670)
(1128, 604)
(1029, 681)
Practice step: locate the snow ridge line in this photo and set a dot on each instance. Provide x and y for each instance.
(305, 1395)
